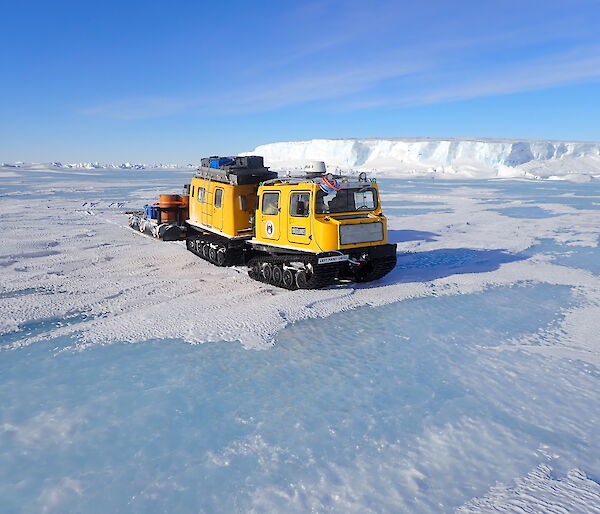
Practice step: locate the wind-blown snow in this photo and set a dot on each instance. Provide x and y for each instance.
(539, 491)
(484, 158)
(466, 379)
(88, 262)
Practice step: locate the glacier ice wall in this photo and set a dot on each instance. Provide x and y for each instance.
(443, 155)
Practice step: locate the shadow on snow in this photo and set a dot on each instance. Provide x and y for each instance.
(402, 236)
(434, 264)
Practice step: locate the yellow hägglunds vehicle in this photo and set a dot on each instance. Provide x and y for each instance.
(294, 232)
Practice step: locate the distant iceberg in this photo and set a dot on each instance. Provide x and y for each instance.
(95, 166)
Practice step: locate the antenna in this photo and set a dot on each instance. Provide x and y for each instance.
(315, 169)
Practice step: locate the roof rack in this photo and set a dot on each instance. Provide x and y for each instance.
(286, 180)
(234, 170)
(236, 177)
(362, 177)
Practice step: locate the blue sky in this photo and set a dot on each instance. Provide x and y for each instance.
(173, 81)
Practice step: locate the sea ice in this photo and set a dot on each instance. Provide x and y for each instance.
(466, 379)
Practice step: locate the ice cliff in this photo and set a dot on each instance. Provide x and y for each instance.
(463, 157)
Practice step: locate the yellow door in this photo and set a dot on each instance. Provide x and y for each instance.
(217, 215)
(268, 226)
(202, 198)
(299, 218)
(207, 205)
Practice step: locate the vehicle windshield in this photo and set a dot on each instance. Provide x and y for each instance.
(346, 200)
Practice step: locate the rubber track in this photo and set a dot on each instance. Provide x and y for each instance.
(323, 274)
(380, 268)
(233, 256)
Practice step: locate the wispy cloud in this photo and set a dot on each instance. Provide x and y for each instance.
(530, 76)
(580, 66)
(375, 56)
(297, 89)
(139, 107)
(332, 85)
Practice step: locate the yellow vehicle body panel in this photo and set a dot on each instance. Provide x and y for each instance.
(278, 225)
(222, 208)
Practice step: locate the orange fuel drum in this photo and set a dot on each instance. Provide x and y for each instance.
(184, 208)
(169, 208)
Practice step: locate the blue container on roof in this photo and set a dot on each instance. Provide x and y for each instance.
(221, 161)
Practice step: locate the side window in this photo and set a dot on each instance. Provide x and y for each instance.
(201, 192)
(218, 198)
(299, 204)
(270, 203)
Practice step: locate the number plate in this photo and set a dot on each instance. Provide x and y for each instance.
(298, 231)
(335, 258)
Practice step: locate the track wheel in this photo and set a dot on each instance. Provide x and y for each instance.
(221, 257)
(277, 275)
(205, 250)
(302, 279)
(288, 278)
(254, 272)
(267, 271)
(212, 254)
(191, 245)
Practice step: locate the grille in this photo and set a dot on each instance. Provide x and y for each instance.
(361, 233)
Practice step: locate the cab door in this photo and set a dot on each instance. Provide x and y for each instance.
(217, 214)
(299, 217)
(204, 197)
(269, 219)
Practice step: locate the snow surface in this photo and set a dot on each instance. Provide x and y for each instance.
(464, 158)
(466, 379)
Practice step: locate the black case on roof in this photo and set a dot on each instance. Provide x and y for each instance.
(243, 170)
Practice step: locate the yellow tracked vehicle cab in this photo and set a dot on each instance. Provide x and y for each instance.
(321, 215)
(311, 232)
(221, 207)
(223, 195)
